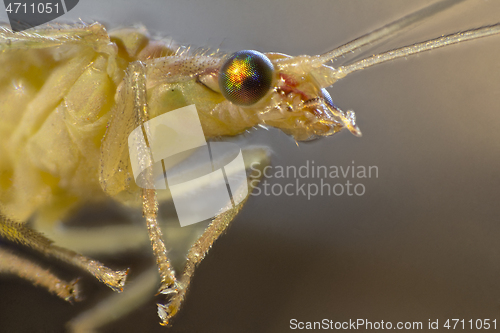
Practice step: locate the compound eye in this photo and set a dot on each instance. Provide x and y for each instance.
(246, 77)
(327, 98)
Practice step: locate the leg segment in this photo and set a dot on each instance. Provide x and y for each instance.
(11, 263)
(110, 309)
(93, 35)
(20, 233)
(131, 111)
(168, 282)
(107, 240)
(259, 158)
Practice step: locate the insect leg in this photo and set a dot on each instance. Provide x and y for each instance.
(259, 157)
(168, 283)
(138, 291)
(20, 233)
(101, 240)
(11, 263)
(132, 111)
(94, 35)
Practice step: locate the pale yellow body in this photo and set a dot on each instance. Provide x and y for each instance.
(69, 101)
(56, 103)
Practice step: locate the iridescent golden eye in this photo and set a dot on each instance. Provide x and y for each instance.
(246, 77)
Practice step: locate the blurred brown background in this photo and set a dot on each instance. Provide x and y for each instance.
(420, 244)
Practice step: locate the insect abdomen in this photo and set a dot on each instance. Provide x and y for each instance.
(57, 103)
